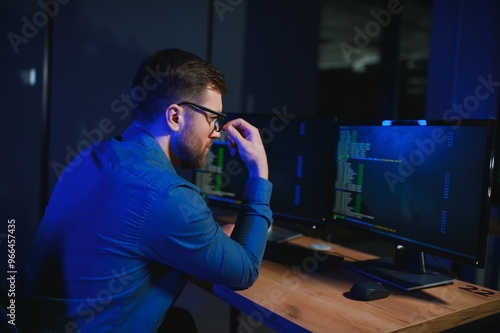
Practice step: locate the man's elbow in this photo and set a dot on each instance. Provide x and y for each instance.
(248, 281)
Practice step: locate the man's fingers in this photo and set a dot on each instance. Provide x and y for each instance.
(233, 135)
(233, 148)
(245, 138)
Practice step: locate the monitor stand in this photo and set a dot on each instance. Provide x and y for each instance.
(278, 235)
(405, 271)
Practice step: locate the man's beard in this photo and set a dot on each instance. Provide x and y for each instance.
(189, 153)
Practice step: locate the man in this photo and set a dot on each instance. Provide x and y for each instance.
(122, 231)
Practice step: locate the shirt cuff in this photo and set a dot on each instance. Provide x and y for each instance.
(258, 190)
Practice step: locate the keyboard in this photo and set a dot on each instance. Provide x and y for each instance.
(308, 259)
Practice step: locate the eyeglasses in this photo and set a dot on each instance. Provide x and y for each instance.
(218, 122)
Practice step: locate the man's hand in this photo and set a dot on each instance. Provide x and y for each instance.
(245, 139)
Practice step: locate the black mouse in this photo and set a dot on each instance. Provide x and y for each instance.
(369, 290)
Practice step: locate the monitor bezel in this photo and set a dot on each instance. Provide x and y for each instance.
(495, 190)
(479, 258)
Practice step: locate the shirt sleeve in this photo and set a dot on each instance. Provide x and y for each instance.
(180, 231)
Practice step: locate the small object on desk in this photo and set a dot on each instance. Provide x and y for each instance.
(320, 247)
(281, 235)
(306, 258)
(369, 290)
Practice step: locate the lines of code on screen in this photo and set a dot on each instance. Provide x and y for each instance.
(423, 184)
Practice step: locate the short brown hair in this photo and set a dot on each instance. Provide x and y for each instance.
(172, 76)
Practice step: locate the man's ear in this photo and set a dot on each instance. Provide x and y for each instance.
(174, 117)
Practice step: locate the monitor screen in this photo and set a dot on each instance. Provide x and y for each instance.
(300, 155)
(424, 185)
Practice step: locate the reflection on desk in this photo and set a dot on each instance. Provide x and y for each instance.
(288, 299)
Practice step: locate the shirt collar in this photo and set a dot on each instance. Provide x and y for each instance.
(144, 138)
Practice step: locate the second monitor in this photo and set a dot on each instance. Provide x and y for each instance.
(424, 186)
(299, 152)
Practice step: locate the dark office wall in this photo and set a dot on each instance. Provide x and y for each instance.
(464, 55)
(97, 47)
(21, 77)
(281, 54)
(227, 45)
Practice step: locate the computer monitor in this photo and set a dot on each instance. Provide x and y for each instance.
(300, 155)
(422, 185)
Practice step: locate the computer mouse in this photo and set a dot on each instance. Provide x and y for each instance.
(369, 290)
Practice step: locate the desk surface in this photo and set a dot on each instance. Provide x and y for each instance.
(288, 299)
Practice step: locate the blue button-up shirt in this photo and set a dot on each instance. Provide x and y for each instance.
(122, 232)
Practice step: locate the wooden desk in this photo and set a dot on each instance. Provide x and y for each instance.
(289, 300)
